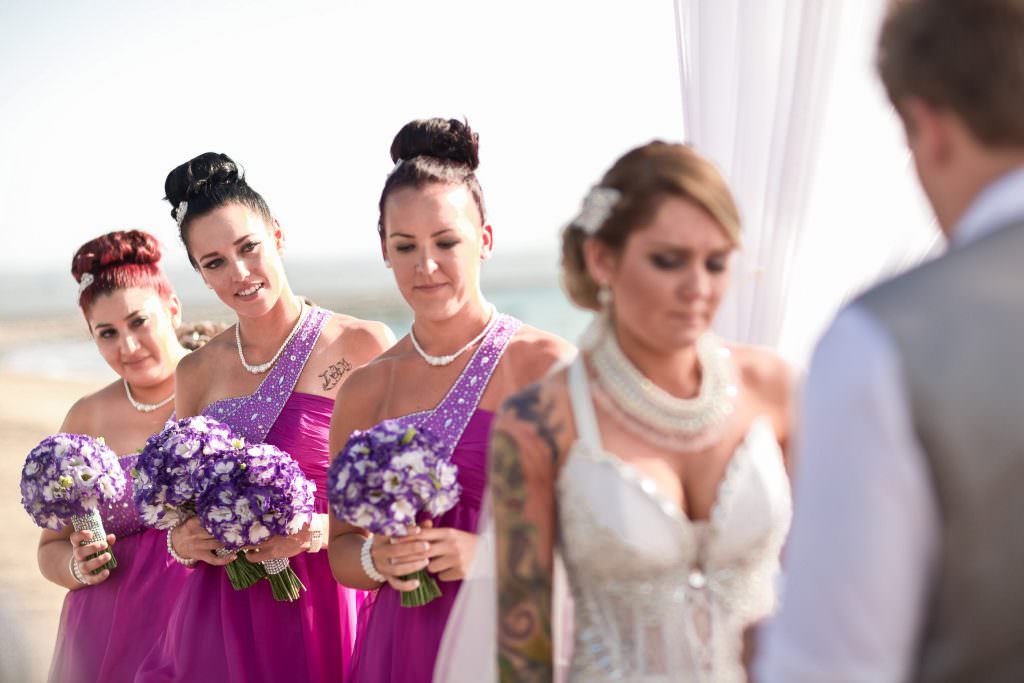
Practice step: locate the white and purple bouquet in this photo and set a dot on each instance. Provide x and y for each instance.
(165, 493)
(385, 477)
(66, 478)
(250, 494)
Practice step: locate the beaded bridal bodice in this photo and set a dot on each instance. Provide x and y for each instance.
(659, 597)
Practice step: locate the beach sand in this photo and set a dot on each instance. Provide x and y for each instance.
(30, 409)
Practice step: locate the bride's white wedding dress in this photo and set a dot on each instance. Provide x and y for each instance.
(659, 597)
(655, 596)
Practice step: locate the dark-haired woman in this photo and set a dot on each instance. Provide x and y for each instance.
(460, 360)
(132, 313)
(272, 376)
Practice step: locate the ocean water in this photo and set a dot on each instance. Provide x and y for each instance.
(528, 290)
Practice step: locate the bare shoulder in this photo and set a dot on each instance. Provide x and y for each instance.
(208, 356)
(362, 394)
(533, 352)
(355, 339)
(86, 413)
(764, 372)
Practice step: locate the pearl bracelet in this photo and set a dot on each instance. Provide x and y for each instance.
(366, 559)
(316, 534)
(174, 553)
(76, 571)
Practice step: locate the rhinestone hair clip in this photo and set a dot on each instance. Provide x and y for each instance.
(597, 206)
(83, 284)
(179, 213)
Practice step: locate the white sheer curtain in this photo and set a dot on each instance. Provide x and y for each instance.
(781, 95)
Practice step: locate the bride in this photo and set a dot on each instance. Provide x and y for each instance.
(654, 465)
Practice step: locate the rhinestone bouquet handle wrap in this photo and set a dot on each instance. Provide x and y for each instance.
(94, 523)
(285, 584)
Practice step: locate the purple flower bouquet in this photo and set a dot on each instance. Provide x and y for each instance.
(66, 478)
(165, 494)
(385, 477)
(248, 495)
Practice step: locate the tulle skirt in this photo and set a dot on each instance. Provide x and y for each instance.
(107, 629)
(219, 634)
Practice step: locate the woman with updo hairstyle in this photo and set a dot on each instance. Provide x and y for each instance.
(272, 377)
(460, 360)
(653, 465)
(111, 617)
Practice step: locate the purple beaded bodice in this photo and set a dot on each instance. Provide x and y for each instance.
(253, 415)
(121, 518)
(449, 419)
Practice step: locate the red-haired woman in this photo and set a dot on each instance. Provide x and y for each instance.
(110, 618)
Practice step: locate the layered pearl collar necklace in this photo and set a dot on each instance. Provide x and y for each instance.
(263, 367)
(139, 405)
(438, 361)
(677, 424)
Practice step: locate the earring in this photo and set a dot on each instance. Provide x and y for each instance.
(387, 264)
(604, 296)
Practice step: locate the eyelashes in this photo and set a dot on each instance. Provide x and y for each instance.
(446, 245)
(676, 262)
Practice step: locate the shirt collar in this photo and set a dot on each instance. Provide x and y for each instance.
(998, 205)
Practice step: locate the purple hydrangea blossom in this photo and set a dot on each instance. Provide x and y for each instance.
(68, 475)
(164, 490)
(387, 475)
(247, 495)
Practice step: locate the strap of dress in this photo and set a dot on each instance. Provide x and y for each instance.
(253, 416)
(451, 416)
(583, 412)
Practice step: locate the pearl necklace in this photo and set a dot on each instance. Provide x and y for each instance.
(263, 367)
(438, 361)
(144, 407)
(679, 424)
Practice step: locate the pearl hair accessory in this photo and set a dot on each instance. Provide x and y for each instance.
(263, 367)
(438, 361)
(139, 405)
(179, 213)
(677, 424)
(366, 559)
(597, 206)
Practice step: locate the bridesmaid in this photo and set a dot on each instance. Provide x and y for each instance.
(460, 360)
(132, 313)
(272, 377)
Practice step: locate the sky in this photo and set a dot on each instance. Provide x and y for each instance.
(101, 100)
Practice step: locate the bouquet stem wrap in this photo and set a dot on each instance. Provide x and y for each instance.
(91, 521)
(285, 583)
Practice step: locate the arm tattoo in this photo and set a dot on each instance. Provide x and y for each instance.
(333, 374)
(529, 407)
(525, 650)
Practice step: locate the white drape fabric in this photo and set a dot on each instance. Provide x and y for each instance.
(782, 96)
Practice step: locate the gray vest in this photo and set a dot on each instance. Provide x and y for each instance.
(958, 323)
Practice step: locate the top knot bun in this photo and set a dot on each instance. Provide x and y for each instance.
(126, 247)
(448, 139)
(201, 176)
